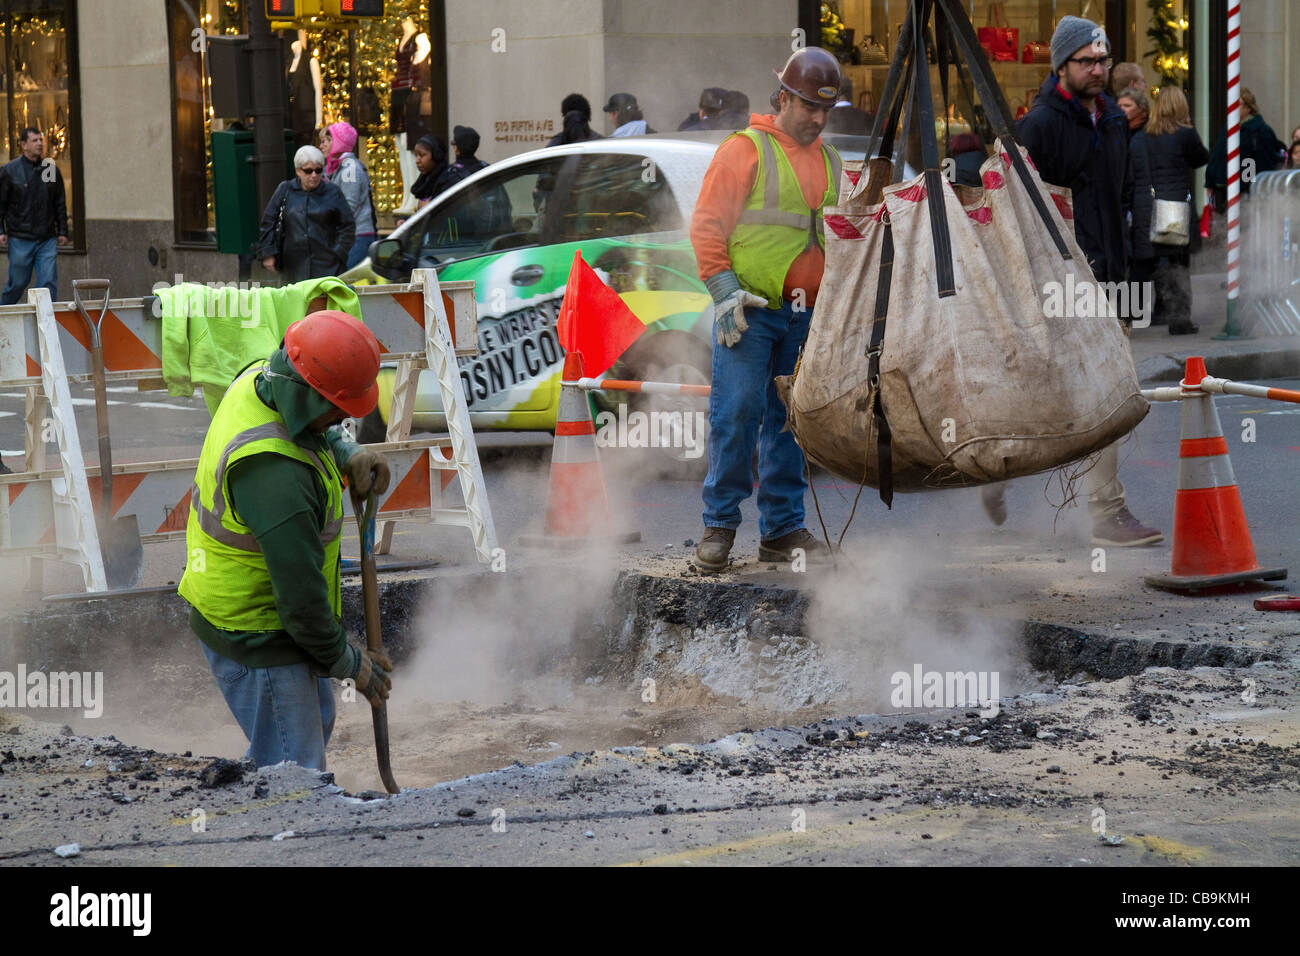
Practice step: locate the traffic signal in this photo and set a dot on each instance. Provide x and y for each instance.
(287, 9)
(355, 8)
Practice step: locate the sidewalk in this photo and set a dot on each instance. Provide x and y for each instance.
(1160, 357)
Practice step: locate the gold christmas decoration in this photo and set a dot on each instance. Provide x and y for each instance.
(374, 45)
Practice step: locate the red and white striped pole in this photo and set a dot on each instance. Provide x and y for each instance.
(1230, 328)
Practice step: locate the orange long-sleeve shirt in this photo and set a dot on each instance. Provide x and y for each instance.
(727, 185)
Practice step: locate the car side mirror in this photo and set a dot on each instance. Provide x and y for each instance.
(387, 256)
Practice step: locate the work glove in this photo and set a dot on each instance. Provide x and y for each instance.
(729, 303)
(367, 472)
(373, 678)
(369, 670)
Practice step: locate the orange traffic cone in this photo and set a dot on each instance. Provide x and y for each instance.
(577, 505)
(1212, 545)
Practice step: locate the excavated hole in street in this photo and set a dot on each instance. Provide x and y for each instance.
(493, 669)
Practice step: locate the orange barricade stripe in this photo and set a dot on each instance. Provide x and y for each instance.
(412, 491)
(123, 487)
(178, 517)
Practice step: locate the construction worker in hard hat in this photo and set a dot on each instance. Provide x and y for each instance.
(263, 556)
(757, 233)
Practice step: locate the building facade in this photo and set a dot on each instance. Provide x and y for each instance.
(120, 88)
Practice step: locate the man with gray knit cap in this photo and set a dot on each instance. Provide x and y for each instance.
(1078, 138)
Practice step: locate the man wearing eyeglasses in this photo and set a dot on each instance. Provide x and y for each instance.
(308, 227)
(1078, 138)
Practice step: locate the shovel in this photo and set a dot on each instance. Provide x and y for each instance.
(119, 538)
(365, 513)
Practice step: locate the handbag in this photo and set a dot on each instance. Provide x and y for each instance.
(1036, 51)
(1169, 221)
(277, 235)
(1000, 40)
(1207, 217)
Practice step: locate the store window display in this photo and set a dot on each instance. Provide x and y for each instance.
(385, 76)
(410, 107)
(1014, 34)
(305, 116)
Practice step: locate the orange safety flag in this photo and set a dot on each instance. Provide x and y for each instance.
(594, 320)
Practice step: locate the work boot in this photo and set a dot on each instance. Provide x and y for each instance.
(711, 553)
(779, 549)
(1122, 530)
(994, 499)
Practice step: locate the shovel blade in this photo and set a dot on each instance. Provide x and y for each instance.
(119, 542)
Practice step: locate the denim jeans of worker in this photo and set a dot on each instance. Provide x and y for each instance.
(360, 249)
(286, 712)
(24, 254)
(744, 410)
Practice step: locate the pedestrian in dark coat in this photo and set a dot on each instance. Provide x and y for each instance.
(1174, 150)
(1092, 162)
(575, 113)
(1078, 138)
(1137, 108)
(1258, 143)
(308, 223)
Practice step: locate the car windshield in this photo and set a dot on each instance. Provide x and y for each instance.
(501, 211)
(616, 194)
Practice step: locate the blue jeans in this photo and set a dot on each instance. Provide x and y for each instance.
(359, 249)
(23, 254)
(744, 409)
(286, 712)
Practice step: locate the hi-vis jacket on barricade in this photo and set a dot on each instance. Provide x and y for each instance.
(227, 579)
(775, 245)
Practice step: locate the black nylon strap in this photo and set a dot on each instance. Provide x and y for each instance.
(899, 157)
(995, 105)
(882, 130)
(945, 279)
(884, 447)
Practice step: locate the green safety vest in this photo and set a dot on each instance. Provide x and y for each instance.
(226, 578)
(776, 224)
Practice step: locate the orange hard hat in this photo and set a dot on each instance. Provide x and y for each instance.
(338, 357)
(811, 74)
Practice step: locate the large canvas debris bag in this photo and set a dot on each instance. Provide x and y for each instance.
(973, 314)
(978, 386)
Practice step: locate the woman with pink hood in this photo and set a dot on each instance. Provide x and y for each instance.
(344, 170)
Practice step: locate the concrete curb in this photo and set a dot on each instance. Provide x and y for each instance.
(1240, 361)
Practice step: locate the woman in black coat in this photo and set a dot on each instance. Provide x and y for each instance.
(1173, 150)
(1137, 109)
(308, 224)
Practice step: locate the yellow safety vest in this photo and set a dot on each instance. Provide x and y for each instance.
(226, 578)
(776, 224)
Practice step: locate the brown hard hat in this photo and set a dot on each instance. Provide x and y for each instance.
(811, 74)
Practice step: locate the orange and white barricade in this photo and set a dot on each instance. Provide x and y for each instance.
(49, 512)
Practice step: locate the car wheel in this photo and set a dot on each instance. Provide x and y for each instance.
(683, 420)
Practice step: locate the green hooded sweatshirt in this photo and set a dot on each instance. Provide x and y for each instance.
(285, 507)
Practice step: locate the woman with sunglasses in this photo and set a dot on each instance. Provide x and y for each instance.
(308, 227)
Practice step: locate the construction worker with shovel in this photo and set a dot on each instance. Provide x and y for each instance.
(758, 237)
(263, 539)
